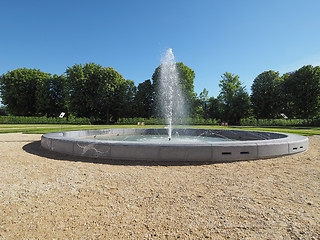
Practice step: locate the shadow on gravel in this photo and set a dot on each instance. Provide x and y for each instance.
(36, 149)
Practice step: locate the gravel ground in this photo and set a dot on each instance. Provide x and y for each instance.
(46, 195)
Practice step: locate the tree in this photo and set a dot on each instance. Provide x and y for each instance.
(266, 96)
(286, 97)
(214, 108)
(18, 90)
(203, 100)
(303, 91)
(235, 100)
(129, 101)
(123, 100)
(186, 79)
(51, 96)
(144, 99)
(3, 111)
(96, 92)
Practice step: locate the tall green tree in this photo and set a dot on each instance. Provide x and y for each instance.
(95, 91)
(144, 99)
(266, 96)
(215, 108)
(123, 100)
(235, 101)
(18, 90)
(3, 111)
(186, 80)
(286, 98)
(51, 96)
(204, 100)
(303, 91)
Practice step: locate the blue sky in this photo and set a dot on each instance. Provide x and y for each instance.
(211, 37)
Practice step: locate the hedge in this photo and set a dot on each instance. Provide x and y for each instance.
(42, 120)
(279, 122)
(161, 121)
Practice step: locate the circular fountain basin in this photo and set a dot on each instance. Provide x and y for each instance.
(211, 145)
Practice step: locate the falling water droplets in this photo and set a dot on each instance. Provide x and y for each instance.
(171, 97)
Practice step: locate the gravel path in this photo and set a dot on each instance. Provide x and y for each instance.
(45, 195)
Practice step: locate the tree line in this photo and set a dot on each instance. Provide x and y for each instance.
(295, 94)
(104, 95)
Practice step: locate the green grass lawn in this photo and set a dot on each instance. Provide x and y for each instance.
(46, 128)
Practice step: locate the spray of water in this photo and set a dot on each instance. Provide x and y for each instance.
(171, 97)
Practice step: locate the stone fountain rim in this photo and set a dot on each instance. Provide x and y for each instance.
(72, 136)
(70, 143)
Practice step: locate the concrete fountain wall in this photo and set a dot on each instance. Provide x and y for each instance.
(248, 145)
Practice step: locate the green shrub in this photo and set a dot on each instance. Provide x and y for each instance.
(42, 120)
(161, 121)
(279, 122)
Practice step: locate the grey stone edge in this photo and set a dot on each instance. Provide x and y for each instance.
(258, 146)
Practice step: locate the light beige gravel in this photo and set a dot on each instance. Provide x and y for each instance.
(46, 195)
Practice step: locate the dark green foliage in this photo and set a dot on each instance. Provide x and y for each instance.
(128, 100)
(157, 111)
(162, 121)
(235, 101)
(301, 90)
(144, 99)
(3, 111)
(202, 121)
(83, 86)
(51, 96)
(214, 108)
(203, 100)
(136, 120)
(266, 95)
(18, 90)
(97, 92)
(122, 99)
(186, 78)
(42, 120)
(279, 122)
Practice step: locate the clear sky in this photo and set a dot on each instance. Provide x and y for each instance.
(211, 37)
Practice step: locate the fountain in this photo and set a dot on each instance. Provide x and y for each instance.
(209, 145)
(169, 89)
